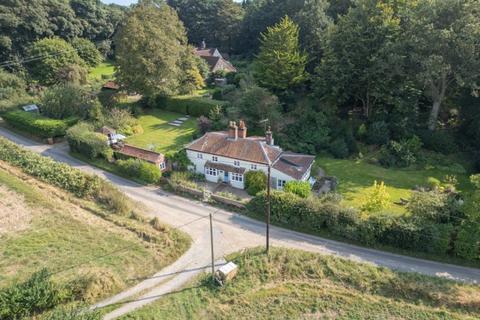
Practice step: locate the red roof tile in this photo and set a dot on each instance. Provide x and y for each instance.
(143, 154)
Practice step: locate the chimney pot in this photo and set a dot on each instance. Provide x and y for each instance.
(233, 131)
(269, 137)
(242, 130)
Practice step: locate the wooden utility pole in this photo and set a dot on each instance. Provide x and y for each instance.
(211, 245)
(267, 213)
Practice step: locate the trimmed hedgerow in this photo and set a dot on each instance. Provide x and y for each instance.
(255, 181)
(38, 125)
(64, 176)
(194, 106)
(314, 215)
(82, 139)
(140, 169)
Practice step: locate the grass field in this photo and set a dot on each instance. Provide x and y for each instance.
(292, 284)
(159, 134)
(105, 68)
(48, 228)
(356, 178)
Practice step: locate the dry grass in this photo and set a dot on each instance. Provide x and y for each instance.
(15, 215)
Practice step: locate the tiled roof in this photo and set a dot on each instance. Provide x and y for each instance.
(143, 154)
(106, 130)
(253, 149)
(293, 164)
(205, 52)
(111, 85)
(224, 167)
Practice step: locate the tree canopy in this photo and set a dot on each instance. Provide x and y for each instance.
(280, 65)
(150, 47)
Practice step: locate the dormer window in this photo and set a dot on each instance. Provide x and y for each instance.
(214, 158)
(236, 163)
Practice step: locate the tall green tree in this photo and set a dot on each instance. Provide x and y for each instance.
(280, 65)
(87, 51)
(149, 49)
(55, 55)
(215, 21)
(443, 36)
(362, 66)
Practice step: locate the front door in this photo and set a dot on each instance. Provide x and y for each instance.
(225, 176)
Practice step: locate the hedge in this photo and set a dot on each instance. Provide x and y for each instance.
(140, 169)
(82, 139)
(194, 106)
(313, 215)
(81, 184)
(38, 125)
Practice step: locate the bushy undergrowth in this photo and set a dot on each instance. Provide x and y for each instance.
(64, 176)
(140, 169)
(300, 188)
(427, 234)
(31, 297)
(38, 125)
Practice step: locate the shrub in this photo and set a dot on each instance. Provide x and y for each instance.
(37, 125)
(194, 106)
(433, 183)
(140, 169)
(378, 199)
(87, 51)
(64, 101)
(82, 139)
(378, 133)
(441, 141)
(300, 188)
(400, 154)
(75, 312)
(122, 121)
(467, 244)
(179, 160)
(93, 284)
(435, 206)
(255, 181)
(338, 148)
(64, 176)
(204, 124)
(33, 296)
(475, 180)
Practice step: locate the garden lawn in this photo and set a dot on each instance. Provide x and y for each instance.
(159, 135)
(103, 69)
(292, 284)
(356, 178)
(54, 231)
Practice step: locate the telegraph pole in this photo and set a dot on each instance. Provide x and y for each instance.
(211, 245)
(267, 214)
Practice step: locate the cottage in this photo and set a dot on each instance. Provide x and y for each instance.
(227, 156)
(130, 151)
(214, 59)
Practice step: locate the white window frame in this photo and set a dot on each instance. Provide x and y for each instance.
(238, 177)
(163, 165)
(236, 163)
(211, 171)
(253, 167)
(214, 158)
(199, 156)
(281, 183)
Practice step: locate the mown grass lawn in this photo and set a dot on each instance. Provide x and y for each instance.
(105, 68)
(159, 135)
(356, 178)
(292, 284)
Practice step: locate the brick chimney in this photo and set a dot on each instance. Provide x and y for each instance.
(269, 137)
(233, 131)
(242, 130)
